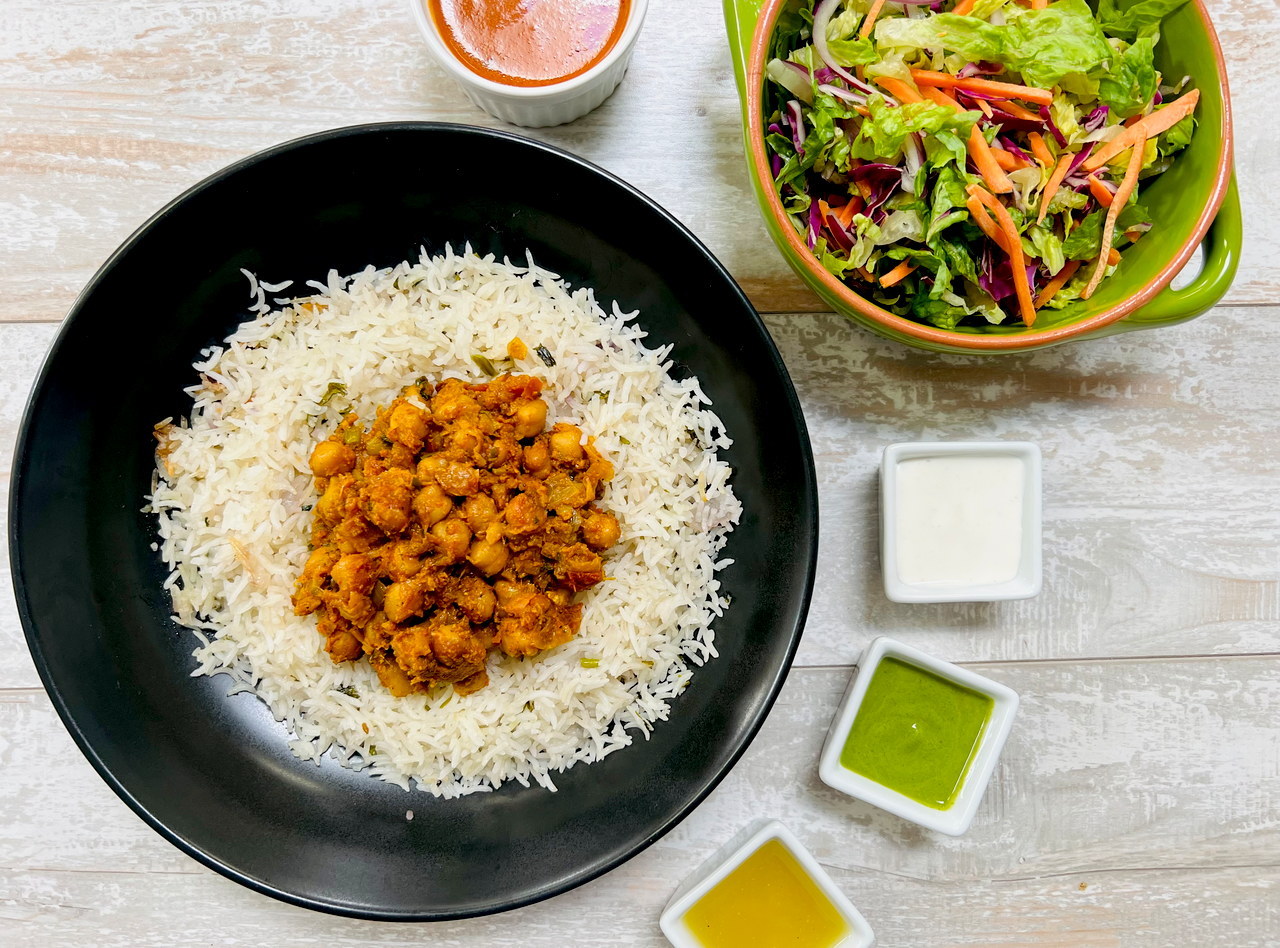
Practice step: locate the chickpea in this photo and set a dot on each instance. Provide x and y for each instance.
(432, 504)
(523, 514)
(480, 511)
(330, 458)
(530, 417)
(459, 479)
(408, 425)
(600, 530)
(354, 573)
(537, 459)
(474, 597)
(402, 601)
(430, 466)
(393, 677)
(452, 538)
(464, 439)
(488, 558)
(342, 646)
(566, 444)
(507, 590)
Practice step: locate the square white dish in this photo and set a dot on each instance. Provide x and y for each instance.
(955, 820)
(729, 857)
(903, 536)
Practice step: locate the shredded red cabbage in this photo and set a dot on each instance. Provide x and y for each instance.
(1048, 121)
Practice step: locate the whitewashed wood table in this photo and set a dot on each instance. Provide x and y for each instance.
(1138, 800)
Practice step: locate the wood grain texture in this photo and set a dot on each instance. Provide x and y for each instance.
(1122, 813)
(108, 111)
(1138, 800)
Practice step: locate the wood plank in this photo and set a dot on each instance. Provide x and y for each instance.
(1136, 804)
(110, 115)
(1152, 442)
(1096, 910)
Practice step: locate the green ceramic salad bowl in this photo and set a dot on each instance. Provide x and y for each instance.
(1194, 203)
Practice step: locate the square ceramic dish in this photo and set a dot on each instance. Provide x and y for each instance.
(907, 531)
(731, 856)
(954, 820)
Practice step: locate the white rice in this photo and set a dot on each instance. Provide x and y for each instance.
(233, 493)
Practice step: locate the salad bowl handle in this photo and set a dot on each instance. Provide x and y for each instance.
(1221, 246)
(740, 18)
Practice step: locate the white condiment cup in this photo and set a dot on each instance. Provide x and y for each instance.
(1023, 585)
(729, 857)
(954, 820)
(538, 106)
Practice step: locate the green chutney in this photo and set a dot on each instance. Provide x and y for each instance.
(916, 732)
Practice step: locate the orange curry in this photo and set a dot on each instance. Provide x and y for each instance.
(455, 524)
(529, 42)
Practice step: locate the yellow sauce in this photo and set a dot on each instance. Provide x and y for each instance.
(769, 900)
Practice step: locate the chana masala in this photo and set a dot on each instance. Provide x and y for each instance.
(455, 524)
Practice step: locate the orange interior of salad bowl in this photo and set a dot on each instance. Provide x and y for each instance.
(1183, 201)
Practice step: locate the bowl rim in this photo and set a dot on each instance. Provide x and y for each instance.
(885, 321)
(807, 510)
(562, 88)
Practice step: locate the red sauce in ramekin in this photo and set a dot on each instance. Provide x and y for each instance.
(529, 42)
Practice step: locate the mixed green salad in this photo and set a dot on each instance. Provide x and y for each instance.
(969, 163)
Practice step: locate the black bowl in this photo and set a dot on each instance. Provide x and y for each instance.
(212, 773)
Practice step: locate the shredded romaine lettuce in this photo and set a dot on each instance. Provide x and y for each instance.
(882, 136)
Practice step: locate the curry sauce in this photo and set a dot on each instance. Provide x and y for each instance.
(453, 525)
(529, 42)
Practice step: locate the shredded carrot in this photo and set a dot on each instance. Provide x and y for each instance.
(984, 108)
(1058, 282)
(1039, 4)
(1002, 90)
(863, 188)
(1134, 235)
(846, 214)
(985, 162)
(1113, 257)
(866, 274)
(1007, 160)
(979, 150)
(985, 223)
(1149, 126)
(870, 19)
(1054, 182)
(963, 8)
(1123, 193)
(1014, 242)
(900, 90)
(1040, 149)
(938, 97)
(1017, 111)
(1101, 193)
(897, 274)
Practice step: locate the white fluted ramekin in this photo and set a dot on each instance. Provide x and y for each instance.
(538, 106)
